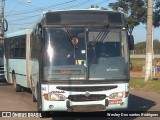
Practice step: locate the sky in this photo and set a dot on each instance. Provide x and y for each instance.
(22, 14)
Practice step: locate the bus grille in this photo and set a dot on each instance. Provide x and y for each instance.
(80, 98)
(86, 88)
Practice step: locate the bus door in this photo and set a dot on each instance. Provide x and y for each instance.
(6, 62)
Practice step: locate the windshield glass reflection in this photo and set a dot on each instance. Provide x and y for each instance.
(60, 48)
(73, 53)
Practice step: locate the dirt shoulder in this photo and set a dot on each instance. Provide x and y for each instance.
(141, 74)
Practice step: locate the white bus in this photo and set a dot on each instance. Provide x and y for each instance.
(78, 59)
(2, 63)
(16, 59)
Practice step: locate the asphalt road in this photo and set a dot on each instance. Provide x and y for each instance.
(22, 101)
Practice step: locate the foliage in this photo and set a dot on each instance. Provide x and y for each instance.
(152, 85)
(141, 62)
(156, 45)
(157, 14)
(136, 11)
(138, 62)
(141, 46)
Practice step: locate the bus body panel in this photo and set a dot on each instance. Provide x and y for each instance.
(58, 26)
(34, 75)
(6, 71)
(19, 66)
(20, 71)
(120, 103)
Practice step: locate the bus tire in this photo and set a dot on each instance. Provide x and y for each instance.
(38, 98)
(16, 86)
(33, 91)
(34, 98)
(44, 114)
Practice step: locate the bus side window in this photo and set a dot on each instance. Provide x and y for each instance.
(23, 48)
(11, 48)
(23, 53)
(17, 53)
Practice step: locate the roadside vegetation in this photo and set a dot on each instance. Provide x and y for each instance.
(141, 62)
(140, 47)
(136, 11)
(139, 84)
(138, 62)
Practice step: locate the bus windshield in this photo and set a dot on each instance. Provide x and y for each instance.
(107, 53)
(64, 49)
(80, 53)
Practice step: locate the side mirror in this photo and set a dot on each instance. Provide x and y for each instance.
(6, 25)
(131, 42)
(39, 29)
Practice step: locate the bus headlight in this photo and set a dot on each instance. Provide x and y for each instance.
(118, 95)
(54, 97)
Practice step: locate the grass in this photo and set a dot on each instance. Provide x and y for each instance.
(138, 83)
(152, 85)
(141, 62)
(138, 62)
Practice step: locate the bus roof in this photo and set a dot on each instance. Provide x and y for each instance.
(55, 17)
(90, 9)
(17, 33)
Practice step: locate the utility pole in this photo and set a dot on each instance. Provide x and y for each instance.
(1, 19)
(149, 50)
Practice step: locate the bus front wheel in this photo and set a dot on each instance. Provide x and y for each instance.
(33, 91)
(44, 114)
(34, 98)
(16, 86)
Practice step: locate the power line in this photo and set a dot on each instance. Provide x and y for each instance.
(78, 4)
(56, 6)
(85, 3)
(43, 8)
(71, 6)
(64, 5)
(22, 23)
(24, 18)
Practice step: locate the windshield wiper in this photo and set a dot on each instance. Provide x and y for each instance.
(99, 38)
(71, 38)
(101, 35)
(69, 35)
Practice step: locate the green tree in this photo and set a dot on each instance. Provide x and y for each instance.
(141, 47)
(157, 14)
(156, 46)
(136, 11)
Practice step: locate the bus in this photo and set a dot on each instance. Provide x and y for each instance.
(17, 59)
(78, 60)
(1, 63)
